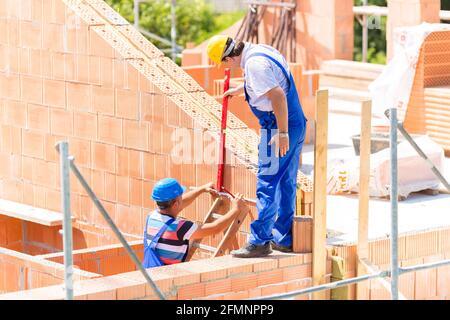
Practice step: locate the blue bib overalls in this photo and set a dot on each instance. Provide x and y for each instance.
(151, 257)
(276, 184)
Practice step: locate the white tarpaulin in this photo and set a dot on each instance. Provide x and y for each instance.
(393, 87)
(414, 174)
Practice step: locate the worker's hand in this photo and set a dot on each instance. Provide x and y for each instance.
(209, 187)
(281, 142)
(231, 93)
(238, 203)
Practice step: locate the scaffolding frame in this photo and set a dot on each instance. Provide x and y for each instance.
(68, 163)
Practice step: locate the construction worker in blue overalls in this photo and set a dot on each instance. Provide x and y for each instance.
(271, 93)
(166, 235)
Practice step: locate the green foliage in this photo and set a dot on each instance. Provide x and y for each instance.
(376, 52)
(445, 4)
(196, 20)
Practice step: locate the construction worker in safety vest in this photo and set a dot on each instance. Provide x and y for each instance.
(272, 96)
(166, 236)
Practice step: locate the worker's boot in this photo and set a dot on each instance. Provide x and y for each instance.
(278, 247)
(252, 251)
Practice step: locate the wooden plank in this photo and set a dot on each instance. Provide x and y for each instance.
(208, 217)
(29, 213)
(227, 240)
(364, 176)
(362, 247)
(320, 193)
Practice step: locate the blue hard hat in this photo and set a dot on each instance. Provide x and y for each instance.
(167, 189)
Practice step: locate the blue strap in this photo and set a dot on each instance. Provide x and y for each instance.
(161, 231)
(285, 72)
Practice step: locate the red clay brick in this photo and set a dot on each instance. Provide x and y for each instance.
(269, 277)
(146, 194)
(110, 130)
(54, 93)
(78, 96)
(148, 166)
(243, 283)
(106, 72)
(297, 272)
(191, 291)
(33, 144)
(216, 287)
(10, 86)
(30, 34)
(15, 113)
(135, 164)
(103, 100)
(123, 190)
(110, 187)
(131, 292)
(127, 104)
(85, 125)
(135, 135)
(38, 118)
(83, 68)
(98, 46)
(31, 89)
(61, 122)
(136, 187)
(80, 149)
(44, 173)
(103, 156)
(122, 161)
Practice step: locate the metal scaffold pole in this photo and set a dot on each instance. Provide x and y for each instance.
(136, 14)
(365, 35)
(173, 32)
(394, 204)
(67, 222)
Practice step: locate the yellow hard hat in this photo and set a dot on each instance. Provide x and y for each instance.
(216, 47)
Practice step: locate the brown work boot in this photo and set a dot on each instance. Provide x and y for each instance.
(252, 251)
(278, 247)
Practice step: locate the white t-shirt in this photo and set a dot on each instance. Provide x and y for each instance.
(262, 74)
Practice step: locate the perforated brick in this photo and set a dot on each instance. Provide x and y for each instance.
(118, 42)
(107, 12)
(178, 74)
(135, 37)
(156, 76)
(86, 13)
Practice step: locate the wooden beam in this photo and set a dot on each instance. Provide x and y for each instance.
(362, 247)
(29, 213)
(320, 193)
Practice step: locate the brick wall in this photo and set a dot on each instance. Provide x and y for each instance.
(23, 272)
(74, 70)
(414, 248)
(105, 260)
(217, 278)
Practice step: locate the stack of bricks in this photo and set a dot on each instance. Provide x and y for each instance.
(75, 70)
(219, 278)
(429, 103)
(414, 248)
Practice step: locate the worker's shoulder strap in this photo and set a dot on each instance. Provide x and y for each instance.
(260, 54)
(160, 232)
